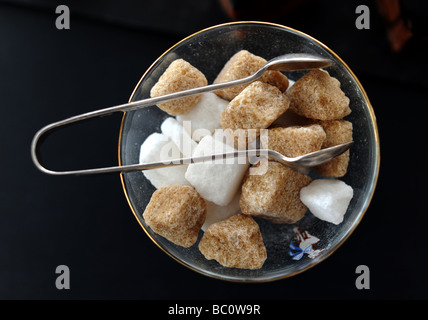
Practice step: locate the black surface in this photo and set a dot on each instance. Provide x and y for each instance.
(85, 222)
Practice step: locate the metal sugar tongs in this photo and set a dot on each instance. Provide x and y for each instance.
(287, 62)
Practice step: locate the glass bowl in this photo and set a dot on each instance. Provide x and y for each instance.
(208, 50)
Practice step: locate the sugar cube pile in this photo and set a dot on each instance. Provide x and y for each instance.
(221, 197)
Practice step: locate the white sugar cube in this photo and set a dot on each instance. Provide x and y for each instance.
(158, 147)
(327, 199)
(219, 180)
(204, 117)
(217, 213)
(290, 84)
(175, 131)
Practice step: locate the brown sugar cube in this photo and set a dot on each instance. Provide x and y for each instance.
(243, 64)
(177, 213)
(179, 76)
(337, 132)
(294, 141)
(317, 95)
(274, 195)
(235, 243)
(256, 107)
(289, 118)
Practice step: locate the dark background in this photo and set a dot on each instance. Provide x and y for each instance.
(47, 75)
